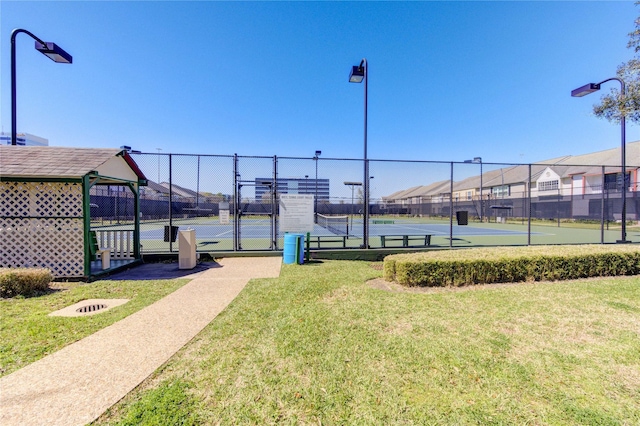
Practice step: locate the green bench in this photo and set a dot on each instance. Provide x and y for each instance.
(319, 240)
(424, 239)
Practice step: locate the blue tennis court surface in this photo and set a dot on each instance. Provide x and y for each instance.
(260, 228)
(434, 229)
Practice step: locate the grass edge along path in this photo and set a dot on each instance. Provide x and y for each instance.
(320, 346)
(27, 333)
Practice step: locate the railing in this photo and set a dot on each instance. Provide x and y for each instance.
(120, 243)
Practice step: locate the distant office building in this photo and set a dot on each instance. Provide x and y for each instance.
(23, 139)
(294, 186)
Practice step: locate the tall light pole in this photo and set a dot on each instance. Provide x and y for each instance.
(51, 50)
(594, 87)
(315, 157)
(478, 160)
(357, 75)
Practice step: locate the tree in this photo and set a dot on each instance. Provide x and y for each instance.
(612, 104)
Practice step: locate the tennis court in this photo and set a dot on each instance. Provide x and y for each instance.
(255, 233)
(258, 228)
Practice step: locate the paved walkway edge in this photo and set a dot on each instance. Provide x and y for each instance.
(75, 385)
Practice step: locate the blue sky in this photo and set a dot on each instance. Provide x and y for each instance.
(447, 80)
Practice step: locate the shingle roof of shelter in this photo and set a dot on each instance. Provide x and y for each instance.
(57, 162)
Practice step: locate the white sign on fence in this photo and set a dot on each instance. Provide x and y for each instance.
(296, 213)
(224, 217)
(223, 212)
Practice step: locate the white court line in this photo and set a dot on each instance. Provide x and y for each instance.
(227, 232)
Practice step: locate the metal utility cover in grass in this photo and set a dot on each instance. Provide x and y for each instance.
(88, 307)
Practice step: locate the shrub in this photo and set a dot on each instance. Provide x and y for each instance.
(511, 264)
(24, 281)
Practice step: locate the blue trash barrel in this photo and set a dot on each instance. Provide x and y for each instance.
(290, 252)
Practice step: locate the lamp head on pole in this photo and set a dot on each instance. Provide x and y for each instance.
(585, 90)
(357, 74)
(54, 52)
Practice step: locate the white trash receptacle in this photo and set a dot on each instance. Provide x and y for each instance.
(187, 249)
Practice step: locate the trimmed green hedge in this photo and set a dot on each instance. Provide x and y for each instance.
(24, 281)
(511, 264)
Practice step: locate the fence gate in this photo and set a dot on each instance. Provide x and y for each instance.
(255, 214)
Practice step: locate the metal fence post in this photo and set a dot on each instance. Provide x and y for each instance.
(529, 209)
(170, 204)
(235, 203)
(451, 208)
(274, 205)
(558, 204)
(602, 209)
(365, 202)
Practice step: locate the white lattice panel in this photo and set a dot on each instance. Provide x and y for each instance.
(31, 235)
(57, 244)
(41, 199)
(15, 199)
(56, 199)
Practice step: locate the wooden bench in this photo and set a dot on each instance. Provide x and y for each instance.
(425, 239)
(103, 252)
(318, 240)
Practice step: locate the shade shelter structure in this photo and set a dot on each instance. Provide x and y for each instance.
(45, 214)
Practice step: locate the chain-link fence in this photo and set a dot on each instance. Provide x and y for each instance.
(232, 202)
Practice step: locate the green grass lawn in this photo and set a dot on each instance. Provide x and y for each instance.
(27, 333)
(320, 345)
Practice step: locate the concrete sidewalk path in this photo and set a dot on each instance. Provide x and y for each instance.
(75, 385)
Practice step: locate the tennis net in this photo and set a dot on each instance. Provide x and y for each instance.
(339, 225)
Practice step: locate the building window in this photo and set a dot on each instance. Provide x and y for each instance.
(551, 185)
(500, 191)
(468, 195)
(303, 186)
